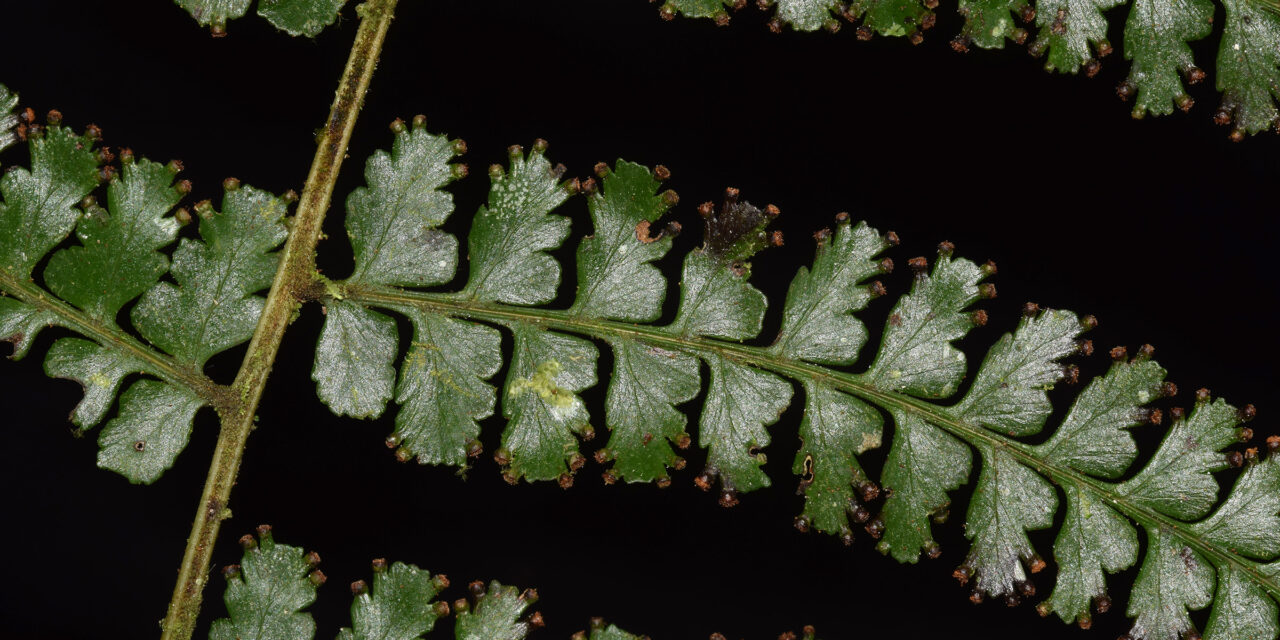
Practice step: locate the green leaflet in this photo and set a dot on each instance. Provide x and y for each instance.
(741, 402)
(214, 13)
(836, 428)
(616, 279)
(891, 17)
(37, 211)
(611, 632)
(267, 591)
(1177, 480)
(295, 17)
(442, 389)
(151, 430)
(274, 582)
(1093, 437)
(599, 631)
(1094, 538)
(119, 256)
(808, 15)
(8, 121)
(1010, 500)
(716, 298)
(697, 8)
(802, 15)
(300, 17)
(1066, 29)
(353, 369)
(916, 356)
(543, 411)
(213, 307)
(818, 324)
(399, 606)
(1174, 580)
(1009, 393)
(924, 463)
(639, 409)
(987, 23)
(392, 222)
(718, 301)
(1241, 609)
(495, 615)
(509, 238)
(1249, 65)
(1156, 37)
(19, 324)
(99, 371)
(1249, 520)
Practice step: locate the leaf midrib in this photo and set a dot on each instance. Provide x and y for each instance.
(856, 384)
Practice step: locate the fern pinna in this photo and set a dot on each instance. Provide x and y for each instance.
(1200, 552)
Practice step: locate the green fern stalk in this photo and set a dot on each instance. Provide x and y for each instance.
(297, 263)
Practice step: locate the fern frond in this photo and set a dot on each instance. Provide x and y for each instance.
(118, 259)
(916, 367)
(295, 17)
(1071, 36)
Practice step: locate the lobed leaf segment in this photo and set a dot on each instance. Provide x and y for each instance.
(1071, 35)
(268, 589)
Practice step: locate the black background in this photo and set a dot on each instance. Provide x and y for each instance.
(1162, 228)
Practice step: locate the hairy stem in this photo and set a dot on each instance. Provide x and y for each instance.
(447, 304)
(297, 264)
